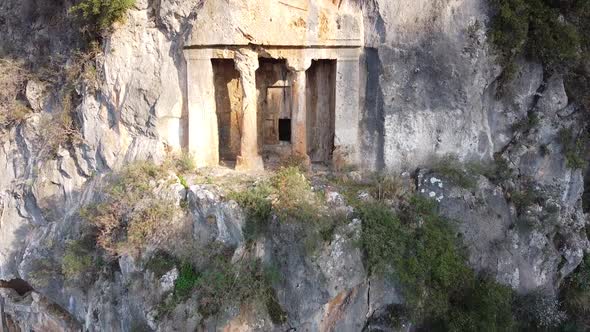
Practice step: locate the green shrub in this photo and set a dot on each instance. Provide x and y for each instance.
(552, 32)
(277, 314)
(295, 199)
(452, 169)
(420, 247)
(290, 197)
(135, 180)
(13, 79)
(222, 283)
(186, 281)
(258, 209)
(184, 163)
(131, 214)
(575, 295)
(483, 305)
(575, 147)
(42, 271)
(524, 198)
(100, 15)
(577, 82)
(383, 237)
(385, 187)
(535, 26)
(78, 259)
(498, 171)
(510, 26)
(161, 263)
(419, 250)
(183, 181)
(526, 124)
(539, 310)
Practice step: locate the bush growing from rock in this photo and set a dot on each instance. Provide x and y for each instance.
(535, 26)
(13, 79)
(293, 197)
(100, 15)
(42, 271)
(160, 263)
(184, 163)
(451, 168)
(386, 187)
(575, 295)
(221, 283)
(552, 32)
(131, 214)
(575, 147)
(78, 259)
(258, 209)
(419, 250)
(419, 246)
(290, 197)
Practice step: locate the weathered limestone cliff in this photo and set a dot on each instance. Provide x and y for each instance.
(414, 81)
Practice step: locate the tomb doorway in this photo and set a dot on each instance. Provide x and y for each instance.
(228, 102)
(274, 107)
(321, 105)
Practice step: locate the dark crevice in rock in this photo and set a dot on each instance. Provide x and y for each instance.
(20, 286)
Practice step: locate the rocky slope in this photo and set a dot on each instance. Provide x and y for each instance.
(431, 79)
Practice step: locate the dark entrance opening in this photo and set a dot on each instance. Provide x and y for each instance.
(285, 130)
(228, 103)
(274, 102)
(321, 108)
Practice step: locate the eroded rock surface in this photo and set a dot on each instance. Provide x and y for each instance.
(430, 80)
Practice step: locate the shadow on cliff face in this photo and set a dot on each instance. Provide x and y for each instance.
(372, 120)
(372, 117)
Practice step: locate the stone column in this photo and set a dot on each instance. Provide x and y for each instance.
(203, 140)
(298, 81)
(346, 129)
(246, 62)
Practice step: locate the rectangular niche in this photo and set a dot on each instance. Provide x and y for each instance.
(228, 103)
(321, 105)
(274, 103)
(285, 130)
